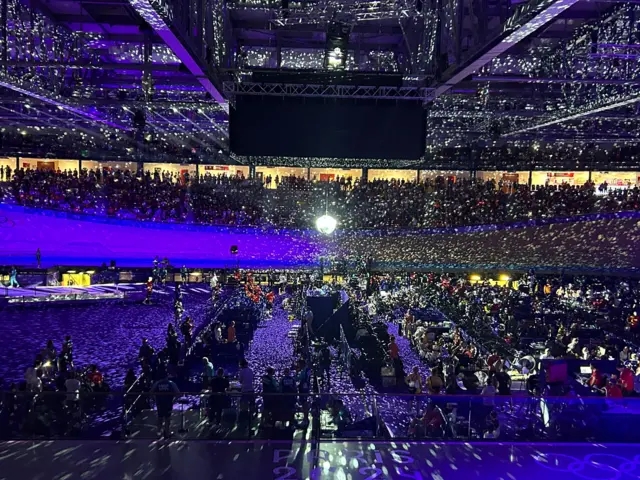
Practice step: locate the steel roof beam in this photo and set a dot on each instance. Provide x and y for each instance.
(111, 20)
(539, 15)
(13, 84)
(616, 102)
(146, 10)
(267, 25)
(164, 67)
(317, 44)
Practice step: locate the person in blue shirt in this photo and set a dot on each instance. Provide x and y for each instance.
(207, 373)
(165, 392)
(13, 278)
(184, 274)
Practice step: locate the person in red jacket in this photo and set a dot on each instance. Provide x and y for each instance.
(596, 380)
(270, 297)
(612, 389)
(626, 379)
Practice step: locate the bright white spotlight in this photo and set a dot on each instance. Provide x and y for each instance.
(326, 224)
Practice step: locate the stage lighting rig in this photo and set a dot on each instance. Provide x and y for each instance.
(337, 46)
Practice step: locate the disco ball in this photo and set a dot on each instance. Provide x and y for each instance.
(326, 224)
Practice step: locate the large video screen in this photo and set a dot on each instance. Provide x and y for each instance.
(321, 127)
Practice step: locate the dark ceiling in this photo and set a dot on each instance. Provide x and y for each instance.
(153, 79)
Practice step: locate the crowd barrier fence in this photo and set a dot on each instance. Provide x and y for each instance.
(241, 416)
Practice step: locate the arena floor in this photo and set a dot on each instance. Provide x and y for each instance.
(332, 460)
(86, 240)
(108, 333)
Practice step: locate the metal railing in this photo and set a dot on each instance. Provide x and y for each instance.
(37, 294)
(241, 416)
(128, 411)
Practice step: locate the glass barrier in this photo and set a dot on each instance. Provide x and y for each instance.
(242, 416)
(34, 295)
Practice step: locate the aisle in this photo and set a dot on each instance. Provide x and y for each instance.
(409, 356)
(358, 399)
(402, 406)
(270, 346)
(395, 408)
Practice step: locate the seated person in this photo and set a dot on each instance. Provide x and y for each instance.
(95, 378)
(72, 385)
(414, 380)
(492, 427)
(434, 382)
(433, 421)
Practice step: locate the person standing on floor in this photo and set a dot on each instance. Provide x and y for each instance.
(149, 289)
(184, 274)
(13, 278)
(247, 390)
(165, 392)
(38, 257)
(218, 400)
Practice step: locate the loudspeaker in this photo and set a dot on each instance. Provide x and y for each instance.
(112, 264)
(234, 249)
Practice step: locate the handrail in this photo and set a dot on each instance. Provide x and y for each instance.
(220, 309)
(450, 397)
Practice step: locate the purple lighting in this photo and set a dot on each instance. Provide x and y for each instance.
(82, 240)
(356, 460)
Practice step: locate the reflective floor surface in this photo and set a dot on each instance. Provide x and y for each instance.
(328, 460)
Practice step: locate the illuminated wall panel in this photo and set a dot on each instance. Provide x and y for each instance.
(616, 179)
(333, 173)
(558, 178)
(8, 161)
(228, 170)
(175, 168)
(505, 176)
(280, 172)
(393, 174)
(433, 174)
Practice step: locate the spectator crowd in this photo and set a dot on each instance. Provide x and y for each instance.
(297, 202)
